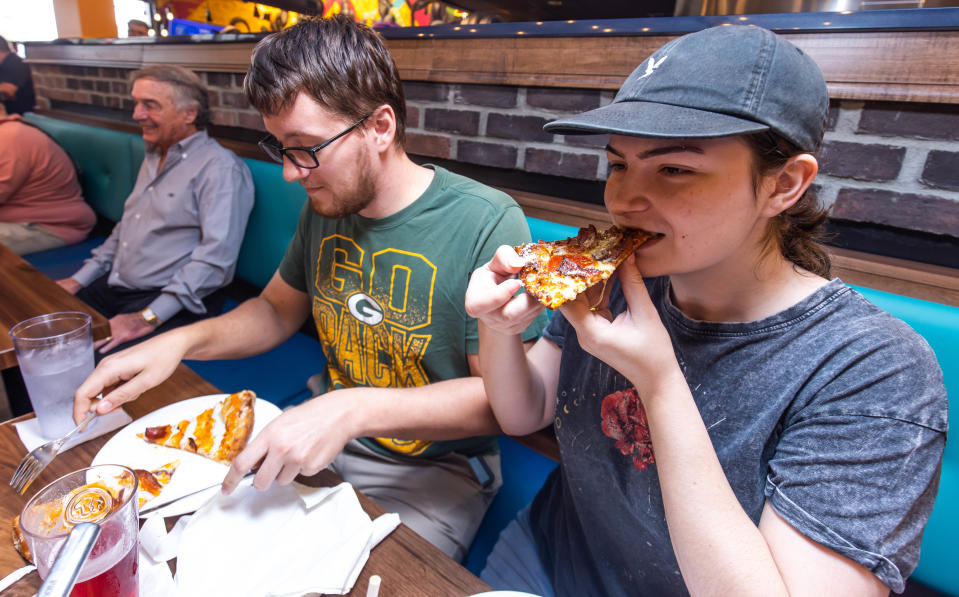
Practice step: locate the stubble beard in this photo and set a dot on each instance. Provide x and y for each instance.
(353, 200)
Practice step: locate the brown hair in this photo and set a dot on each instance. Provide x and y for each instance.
(188, 88)
(799, 230)
(341, 64)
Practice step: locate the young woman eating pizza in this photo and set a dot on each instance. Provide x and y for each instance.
(731, 420)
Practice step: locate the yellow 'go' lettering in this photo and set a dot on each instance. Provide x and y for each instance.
(402, 283)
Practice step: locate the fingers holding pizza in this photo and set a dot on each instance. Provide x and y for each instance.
(635, 342)
(492, 294)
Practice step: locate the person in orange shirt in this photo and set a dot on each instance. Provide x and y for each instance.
(41, 205)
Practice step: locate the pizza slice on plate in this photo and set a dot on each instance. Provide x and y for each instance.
(151, 483)
(560, 270)
(219, 433)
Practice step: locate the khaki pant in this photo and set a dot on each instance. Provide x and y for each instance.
(439, 498)
(24, 239)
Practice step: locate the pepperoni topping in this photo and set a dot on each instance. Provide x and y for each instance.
(157, 432)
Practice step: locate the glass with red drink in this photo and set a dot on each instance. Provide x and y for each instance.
(105, 495)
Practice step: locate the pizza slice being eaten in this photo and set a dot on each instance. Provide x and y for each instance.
(151, 483)
(558, 271)
(219, 433)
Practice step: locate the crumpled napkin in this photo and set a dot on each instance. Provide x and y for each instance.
(285, 541)
(29, 430)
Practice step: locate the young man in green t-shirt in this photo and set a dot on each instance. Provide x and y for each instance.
(381, 259)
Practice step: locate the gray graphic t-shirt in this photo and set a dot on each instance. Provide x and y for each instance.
(832, 410)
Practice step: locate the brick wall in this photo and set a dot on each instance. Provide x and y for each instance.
(892, 165)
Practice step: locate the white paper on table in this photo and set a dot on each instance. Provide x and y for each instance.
(287, 540)
(29, 430)
(15, 576)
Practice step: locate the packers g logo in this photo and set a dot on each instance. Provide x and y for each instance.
(364, 308)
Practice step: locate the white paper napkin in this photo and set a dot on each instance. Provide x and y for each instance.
(287, 540)
(15, 576)
(29, 430)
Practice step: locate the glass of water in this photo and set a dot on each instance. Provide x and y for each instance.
(55, 353)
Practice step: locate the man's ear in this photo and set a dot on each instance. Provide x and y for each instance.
(190, 115)
(382, 127)
(787, 186)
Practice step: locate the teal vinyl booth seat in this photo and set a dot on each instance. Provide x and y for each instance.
(109, 161)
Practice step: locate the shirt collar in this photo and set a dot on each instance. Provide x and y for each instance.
(183, 145)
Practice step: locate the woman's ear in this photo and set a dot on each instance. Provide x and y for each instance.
(789, 184)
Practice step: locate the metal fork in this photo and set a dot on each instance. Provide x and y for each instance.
(33, 463)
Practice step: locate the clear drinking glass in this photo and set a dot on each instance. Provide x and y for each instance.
(55, 353)
(104, 495)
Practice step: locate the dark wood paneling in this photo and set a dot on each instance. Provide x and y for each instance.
(920, 66)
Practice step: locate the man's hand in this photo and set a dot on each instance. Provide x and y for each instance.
(133, 371)
(124, 328)
(491, 295)
(70, 285)
(302, 441)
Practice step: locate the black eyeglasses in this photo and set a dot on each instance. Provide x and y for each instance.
(302, 157)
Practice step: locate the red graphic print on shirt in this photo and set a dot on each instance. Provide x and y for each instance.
(624, 420)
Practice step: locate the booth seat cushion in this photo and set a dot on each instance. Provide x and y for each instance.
(524, 472)
(63, 262)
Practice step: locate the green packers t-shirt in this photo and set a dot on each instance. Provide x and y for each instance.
(388, 293)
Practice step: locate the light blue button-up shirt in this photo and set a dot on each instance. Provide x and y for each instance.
(182, 226)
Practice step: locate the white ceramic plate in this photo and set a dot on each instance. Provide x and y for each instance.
(504, 594)
(195, 472)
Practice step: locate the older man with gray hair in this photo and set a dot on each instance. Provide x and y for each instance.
(183, 223)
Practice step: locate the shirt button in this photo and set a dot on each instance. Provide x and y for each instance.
(124, 243)
(137, 216)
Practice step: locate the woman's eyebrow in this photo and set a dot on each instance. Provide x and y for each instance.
(610, 149)
(657, 151)
(669, 149)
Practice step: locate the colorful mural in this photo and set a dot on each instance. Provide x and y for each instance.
(251, 17)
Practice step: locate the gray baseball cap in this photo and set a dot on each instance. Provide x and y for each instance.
(717, 82)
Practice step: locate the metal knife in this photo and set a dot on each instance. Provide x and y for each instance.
(158, 505)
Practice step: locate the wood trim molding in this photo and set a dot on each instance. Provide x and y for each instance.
(919, 280)
(921, 66)
(898, 276)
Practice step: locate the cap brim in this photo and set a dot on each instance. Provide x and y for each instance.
(649, 119)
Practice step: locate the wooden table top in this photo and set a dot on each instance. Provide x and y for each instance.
(25, 292)
(408, 564)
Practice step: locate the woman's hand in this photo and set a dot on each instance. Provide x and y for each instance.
(635, 343)
(491, 296)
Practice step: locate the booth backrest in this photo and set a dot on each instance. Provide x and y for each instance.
(276, 210)
(108, 160)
